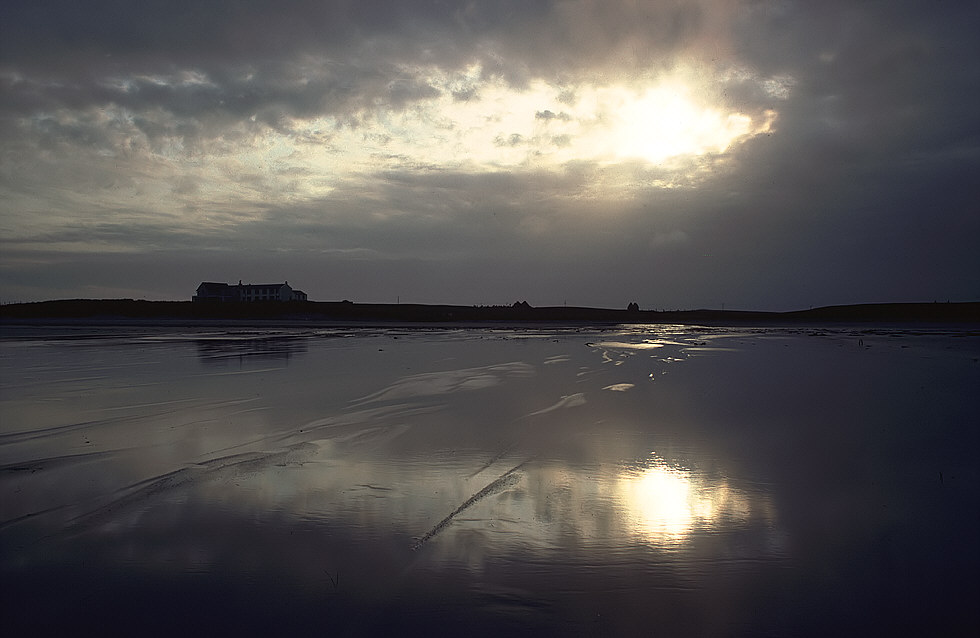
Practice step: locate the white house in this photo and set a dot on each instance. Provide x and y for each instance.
(210, 291)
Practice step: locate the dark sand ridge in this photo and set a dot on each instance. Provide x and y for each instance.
(107, 309)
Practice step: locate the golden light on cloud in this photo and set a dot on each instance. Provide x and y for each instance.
(541, 125)
(662, 123)
(466, 121)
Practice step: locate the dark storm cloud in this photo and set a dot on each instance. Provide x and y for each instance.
(893, 78)
(309, 56)
(251, 57)
(881, 136)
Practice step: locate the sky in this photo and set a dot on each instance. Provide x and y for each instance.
(768, 155)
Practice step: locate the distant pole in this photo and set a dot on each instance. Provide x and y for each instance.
(723, 306)
(398, 300)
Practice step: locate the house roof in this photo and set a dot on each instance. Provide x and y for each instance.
(216, 288)
(212, 286)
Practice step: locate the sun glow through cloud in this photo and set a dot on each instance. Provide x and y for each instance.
(662, 123)
(497, 126)
(467, 121)
(658, 127)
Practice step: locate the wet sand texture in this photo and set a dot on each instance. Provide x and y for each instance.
(641, 480)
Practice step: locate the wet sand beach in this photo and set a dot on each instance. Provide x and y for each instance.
(626, 480)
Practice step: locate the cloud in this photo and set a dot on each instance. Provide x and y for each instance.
(667, 238)
(548, 115)
(764, 154)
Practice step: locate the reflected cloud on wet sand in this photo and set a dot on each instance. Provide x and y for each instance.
(534, 477)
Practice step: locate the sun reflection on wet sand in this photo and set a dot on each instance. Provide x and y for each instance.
(521, 475)
(666, 504)
(661, 503)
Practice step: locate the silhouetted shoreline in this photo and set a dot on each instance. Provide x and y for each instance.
(97, 310)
